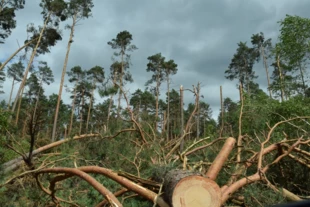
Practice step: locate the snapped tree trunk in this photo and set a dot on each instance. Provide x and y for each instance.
(190, 189)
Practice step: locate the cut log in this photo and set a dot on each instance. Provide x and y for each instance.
(189, 189)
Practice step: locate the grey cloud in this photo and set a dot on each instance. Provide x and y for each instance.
(201, 36)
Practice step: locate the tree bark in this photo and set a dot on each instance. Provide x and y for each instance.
(220, 159)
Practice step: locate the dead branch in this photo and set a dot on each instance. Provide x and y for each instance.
(150, 195)
(77, 172)
(227, 191)
(259, 165)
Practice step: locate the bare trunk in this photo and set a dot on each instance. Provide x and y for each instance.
(89, 108)
(198, 112)
(267, 73)
(168, 107)
(63, 77)
(281, 78)
(9, 104)
(302, 79)
(156, 105)
(81, 113)
(222, 111)
(21, 87)
(120, 86)
(37, 101)
(109, 111)
(182, 119)
(72, 111)
(18, 108)
(239, 142)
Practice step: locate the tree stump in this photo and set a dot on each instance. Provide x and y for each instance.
(190, 189)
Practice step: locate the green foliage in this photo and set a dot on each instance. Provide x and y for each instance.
(7, 17)
(241, 66)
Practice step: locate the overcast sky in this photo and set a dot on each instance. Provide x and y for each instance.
(201, 36)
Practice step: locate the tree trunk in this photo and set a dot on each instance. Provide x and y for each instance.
(189, 189)
(222, 111)
(281, 78)
(89, 108)
(109, 111)
(37, 101)
(302, 79)
(21, 87)
(156, 105)
(18, 107)
(63, 77)
(168, 107)
(9, 103)
(81, 113)
(120, 85)
(182, 119)
(72, 111)
(266, 68)
(198, 111)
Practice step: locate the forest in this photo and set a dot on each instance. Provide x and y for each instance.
(138, 149)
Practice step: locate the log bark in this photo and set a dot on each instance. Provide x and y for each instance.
(221, 158)
(190, 189)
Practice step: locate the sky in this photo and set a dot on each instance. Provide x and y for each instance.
(201, 36)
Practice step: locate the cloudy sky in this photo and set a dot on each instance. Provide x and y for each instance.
(201, 36)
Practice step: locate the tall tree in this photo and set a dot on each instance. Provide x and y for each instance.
(122, 43)
(155, 65)
(96, 76)
(294, 42)
(76, 74)
(45, 75)
(77, 10)
(170, 68)
(83, 90)
(263, 48)
(143, 103)
(15, 71)
(7, 15)
(241, 66)
(47, 37)
(174, 111)
(282, 79)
